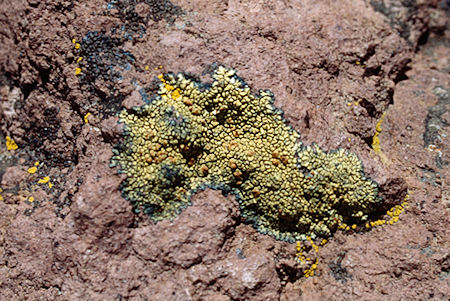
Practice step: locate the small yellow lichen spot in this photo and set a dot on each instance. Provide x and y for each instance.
(44, 180)
(147, 67)
(313, 245)
(11, 144)
(310, 272)
(77, 71)
(376, 140)
(358, 63)
(176, 94)
(1, 198)
(32, 170)
(74, 41)
(50, 185)
(353, 226)
(31, 199)
(36, 163)
(86, 117)
(79, 59)
(77, 45)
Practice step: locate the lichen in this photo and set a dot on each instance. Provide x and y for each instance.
(11, 144)
(376, 145)
(191, 136)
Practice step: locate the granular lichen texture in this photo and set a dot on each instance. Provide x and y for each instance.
(191, 136)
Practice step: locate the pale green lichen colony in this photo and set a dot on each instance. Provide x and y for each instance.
(191, 136)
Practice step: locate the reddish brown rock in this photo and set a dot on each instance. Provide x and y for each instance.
(335, 67)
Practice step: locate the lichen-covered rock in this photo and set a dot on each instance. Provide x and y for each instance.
(191, 136)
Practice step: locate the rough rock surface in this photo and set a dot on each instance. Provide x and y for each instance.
(342, 71)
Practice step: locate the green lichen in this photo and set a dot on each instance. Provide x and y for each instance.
(192, 136)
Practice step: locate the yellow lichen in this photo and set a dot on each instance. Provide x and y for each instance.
(310, 272)
(44, 180)
(77, 71)
(86, 117)
(314, 246)
(11, 144)
(393, 213)
(376, 146)
(307, 261)
(32, 170)
(186, 137)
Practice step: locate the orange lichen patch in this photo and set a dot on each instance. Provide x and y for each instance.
(11, 144)
(256, 193)
(188, 102)
(232, 164)
(204, 169)
(275, 162)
